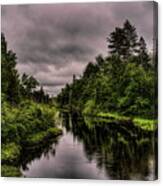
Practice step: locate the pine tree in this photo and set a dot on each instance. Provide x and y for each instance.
(130, 42)
(10, 77)
(115, 41)
(123, 41)
(143, 54)
(29, 83)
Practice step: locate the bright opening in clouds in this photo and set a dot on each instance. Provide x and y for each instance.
(55, 41)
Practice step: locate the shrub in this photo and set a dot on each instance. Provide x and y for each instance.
(10, 153)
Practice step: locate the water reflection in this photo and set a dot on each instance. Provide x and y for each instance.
(43, 150)
(125, 152)
(93, 148)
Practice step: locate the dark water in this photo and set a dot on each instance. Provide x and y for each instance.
(92, 148)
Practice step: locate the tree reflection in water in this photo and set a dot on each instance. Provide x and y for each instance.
(44, 149)
(124, 151)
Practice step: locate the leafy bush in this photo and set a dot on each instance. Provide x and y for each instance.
(10, 171)
(53, 132)
(10, 153)
(89, 107)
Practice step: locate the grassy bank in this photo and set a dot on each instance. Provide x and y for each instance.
(28, 124)
(145, 124)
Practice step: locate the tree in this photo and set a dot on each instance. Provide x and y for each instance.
(10, 76)
(130, 42)
(143, 54)
(90, 70)
(3, 44)
(29, 83)
(115, 41)
(123, 41)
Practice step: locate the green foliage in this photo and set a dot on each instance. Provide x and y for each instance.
(143, 54)
(145, 124)
(123, 41)
(10, 153)
(89, 107)
(113, 116)
(26, 124)
(9, 75)
(125, 82)
(10, 171)
(14, 87)
(37, 138)
(53, 132)
(28, 118)
(28, 84)
(25, 116)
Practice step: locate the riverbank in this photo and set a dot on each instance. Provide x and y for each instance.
(145, 124)
(29, 124)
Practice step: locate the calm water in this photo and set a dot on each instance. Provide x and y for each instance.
(91, 148)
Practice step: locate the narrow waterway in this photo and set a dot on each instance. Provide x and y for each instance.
(89, 150)
(69, 161)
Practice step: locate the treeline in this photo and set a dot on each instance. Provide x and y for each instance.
(124, 82)
(15, 87)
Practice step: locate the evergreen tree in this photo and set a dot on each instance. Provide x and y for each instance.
(143, 54)
(29, 83)
(41, 94)
(123, 41)
(116, 41)
(10, 76)
(130, 39)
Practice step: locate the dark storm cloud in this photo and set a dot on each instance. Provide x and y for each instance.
(53, 42)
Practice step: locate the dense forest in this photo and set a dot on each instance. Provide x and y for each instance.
(124, 83)
(28, 114)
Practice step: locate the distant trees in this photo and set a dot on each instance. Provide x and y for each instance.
(40, 96)
(28, 84)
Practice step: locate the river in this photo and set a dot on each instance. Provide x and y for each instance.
(91, 148)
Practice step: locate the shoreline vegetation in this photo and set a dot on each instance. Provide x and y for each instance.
(24, 127)
(110, 117)
(145, 124)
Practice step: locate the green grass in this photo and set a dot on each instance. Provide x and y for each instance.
(113, 116)
(145, 124)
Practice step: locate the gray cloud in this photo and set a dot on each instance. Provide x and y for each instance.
(55, 41)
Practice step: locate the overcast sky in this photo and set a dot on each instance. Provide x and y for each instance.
(55, 41)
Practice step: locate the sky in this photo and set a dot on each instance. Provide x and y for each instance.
(55, 41)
